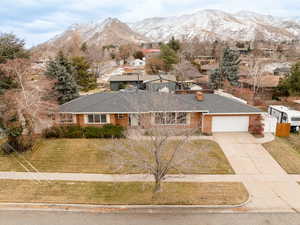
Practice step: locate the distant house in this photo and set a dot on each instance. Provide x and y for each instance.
(206, 69)
(149, 53)
(137, 63)
(207, 112)
(282, 71)
(149, 82)
(266, 84)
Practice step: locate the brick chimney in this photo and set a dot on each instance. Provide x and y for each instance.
(199, 96)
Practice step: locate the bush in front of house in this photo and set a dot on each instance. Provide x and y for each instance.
(64, 132)
(107, 131)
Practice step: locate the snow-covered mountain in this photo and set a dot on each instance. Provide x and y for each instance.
(216, 24)
(207, 25)
(108, 32)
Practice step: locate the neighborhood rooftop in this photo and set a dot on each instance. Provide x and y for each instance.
(142, 102)
(142, 77)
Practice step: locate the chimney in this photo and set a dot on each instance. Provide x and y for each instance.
(199, 96)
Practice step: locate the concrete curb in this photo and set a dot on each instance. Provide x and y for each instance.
(108, 208)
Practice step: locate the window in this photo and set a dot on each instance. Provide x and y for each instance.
(66, 118)
(120, 116)
(296, 119)
(97, 118)
(170, 118)
(181, 118)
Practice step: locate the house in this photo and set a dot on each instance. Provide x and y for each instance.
(282, 71)
(208, 68)
(266, 84)
(138, 63)
(150, 53)
(150, 82)
(207, 112)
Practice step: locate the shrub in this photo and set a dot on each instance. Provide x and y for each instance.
(107, 131)
(73, 132)
(53, 132)
(93, 132)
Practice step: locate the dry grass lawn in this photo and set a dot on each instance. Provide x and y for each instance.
(90, 156)
(133, 193)
(286, 151)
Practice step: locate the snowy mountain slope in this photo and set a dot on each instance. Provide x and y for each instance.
(216, 24)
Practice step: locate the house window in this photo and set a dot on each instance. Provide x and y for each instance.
(120, 116)
(66, 118)
(97, 119)
(170, 118)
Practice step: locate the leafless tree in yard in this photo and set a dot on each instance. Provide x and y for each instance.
(29, 102)
(160, 142)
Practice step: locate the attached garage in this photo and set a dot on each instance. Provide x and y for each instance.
(230, 123)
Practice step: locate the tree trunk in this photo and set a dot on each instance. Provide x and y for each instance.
(157, 187)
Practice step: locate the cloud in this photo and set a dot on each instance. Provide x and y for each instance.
(39, 20)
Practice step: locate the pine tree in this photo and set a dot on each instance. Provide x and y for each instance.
(291, 84)
(230, 66)
(216, 80)
(61, 69)
(174, 44)
(84, 78)
(168, 56)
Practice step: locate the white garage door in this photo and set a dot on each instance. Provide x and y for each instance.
(230, 123)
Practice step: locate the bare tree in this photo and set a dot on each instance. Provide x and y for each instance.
(28, 105)
(186, 70)
(163, 144)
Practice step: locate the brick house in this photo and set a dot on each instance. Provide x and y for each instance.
(207, 112)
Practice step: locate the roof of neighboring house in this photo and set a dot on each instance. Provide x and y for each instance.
(282, 70)
(264, 81)
(151, 50)
(143, 101)
(202, 79)
(212, 66)
(142, 78)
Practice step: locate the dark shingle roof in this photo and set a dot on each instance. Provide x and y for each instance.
(126, 102)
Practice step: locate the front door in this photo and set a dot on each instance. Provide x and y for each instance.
(134, 120)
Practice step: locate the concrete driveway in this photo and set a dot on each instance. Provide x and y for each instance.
(270, 187)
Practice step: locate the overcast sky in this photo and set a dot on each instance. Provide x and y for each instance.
(37, 21)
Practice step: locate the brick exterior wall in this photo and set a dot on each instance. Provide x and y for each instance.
(195, 121)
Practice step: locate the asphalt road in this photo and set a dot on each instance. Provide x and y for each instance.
(71, 218)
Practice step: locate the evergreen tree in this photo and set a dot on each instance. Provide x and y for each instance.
(174, 44)
(291, 84)
(230, 66)
(216, 80)
(62, 70)
(168, 56)
(84, 78)
(11, 47)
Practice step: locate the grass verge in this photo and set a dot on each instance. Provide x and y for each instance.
(131, 193)
(286, 151)
(91, 156)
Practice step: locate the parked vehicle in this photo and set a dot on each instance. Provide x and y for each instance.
(284, 114)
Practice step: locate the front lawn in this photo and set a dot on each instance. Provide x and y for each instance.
(90, 156)
(286, 151)
(132, 193)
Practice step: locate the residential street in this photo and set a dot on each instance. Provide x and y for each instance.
(181, 218)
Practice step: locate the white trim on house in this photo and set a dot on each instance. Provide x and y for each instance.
(79, 113)
(86, 120)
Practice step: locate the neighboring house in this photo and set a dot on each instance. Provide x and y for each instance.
(138, 63)
(149, 53)
(265, 84)
(207, 112)
(206, 69)
(282, 71)
(149, 82)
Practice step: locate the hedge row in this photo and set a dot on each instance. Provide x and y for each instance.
(107, 131)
